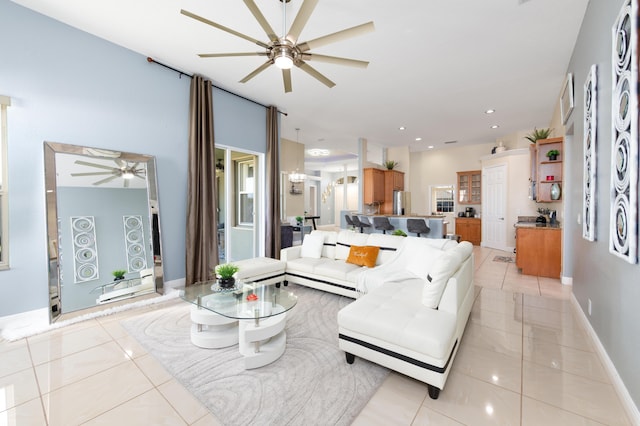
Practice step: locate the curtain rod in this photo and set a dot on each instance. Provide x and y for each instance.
(181, 73)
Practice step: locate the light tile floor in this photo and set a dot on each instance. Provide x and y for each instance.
(524, 360)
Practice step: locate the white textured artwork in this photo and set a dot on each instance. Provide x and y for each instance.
(623, 228)
(134, 243)
(590, 163)
(85, 251)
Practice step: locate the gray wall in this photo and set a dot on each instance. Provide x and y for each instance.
(107, 206)
(611, 283)
(71, 87)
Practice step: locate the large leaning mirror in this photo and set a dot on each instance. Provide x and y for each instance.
(103, 227)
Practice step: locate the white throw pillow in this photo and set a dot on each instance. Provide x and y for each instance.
(312, 246)
(440, 272)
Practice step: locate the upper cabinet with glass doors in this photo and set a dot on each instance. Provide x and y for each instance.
(470, 187)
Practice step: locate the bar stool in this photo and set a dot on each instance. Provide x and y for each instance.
(419, 226)
(364, 223)
(349, 221)
(382, 222)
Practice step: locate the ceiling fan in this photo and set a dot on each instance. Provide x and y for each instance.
(123, 169)
(285, 52)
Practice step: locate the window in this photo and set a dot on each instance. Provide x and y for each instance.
(4, 188)
(442, 199)
(245, 185)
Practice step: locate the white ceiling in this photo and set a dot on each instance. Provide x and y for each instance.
(435, 65)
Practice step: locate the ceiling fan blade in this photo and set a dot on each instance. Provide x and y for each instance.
(119, 162)
(337, 36)
(256, 71)
(315, 74)
(225, 55)
(335, 60)
(301, 20)
(223, 28)
(91, 174)
(286, 78)
(261, 20)
(109, 179)
(100, 166)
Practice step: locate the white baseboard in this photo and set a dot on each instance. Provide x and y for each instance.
(566, 280)
(180, 282)
(25, 320)
(627, 402)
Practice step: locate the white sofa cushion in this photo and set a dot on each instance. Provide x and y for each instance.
(338, 269)
(305, 265)
(439, 273)
(393, 314)
(345, 240)
(312, 246)
(389, 245)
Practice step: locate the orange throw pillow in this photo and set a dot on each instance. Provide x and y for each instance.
(363, 255)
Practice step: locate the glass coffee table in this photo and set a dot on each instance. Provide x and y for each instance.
(251, 315)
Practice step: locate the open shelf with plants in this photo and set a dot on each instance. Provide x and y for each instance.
(549, 156)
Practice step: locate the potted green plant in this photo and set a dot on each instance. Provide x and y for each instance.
(224, 273)
(299, 220)
(553, 154)
(399, 232)
(118, 274)
(390, 165)
(538, 134)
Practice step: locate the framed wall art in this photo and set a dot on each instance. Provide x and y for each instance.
(85, 249)
(566, 99)
(623, 228)
(590, 163)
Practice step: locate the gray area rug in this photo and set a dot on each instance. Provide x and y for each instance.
(505, 259)
(311, 384)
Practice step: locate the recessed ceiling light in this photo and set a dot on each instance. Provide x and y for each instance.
(430, 147)
(402, 128)
(495, 126)
(490, 111)
(418, 139)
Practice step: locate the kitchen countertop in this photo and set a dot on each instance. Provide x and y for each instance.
(537, 225)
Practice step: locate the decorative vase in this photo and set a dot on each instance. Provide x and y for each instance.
(119, 278)
(555, 191)
(226, 282)
(553, 157)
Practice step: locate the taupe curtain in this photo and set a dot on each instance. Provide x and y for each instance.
(272, 217)
(201, 235)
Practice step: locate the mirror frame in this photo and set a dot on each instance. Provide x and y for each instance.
(50, 173)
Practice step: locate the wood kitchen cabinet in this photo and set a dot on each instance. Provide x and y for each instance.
(469, 229)
(539, 251)
(393, 181)
(470, 187)
(373, 185)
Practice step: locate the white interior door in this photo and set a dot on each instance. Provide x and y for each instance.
(494, 207)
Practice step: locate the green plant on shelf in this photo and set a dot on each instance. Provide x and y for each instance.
(538, 134)
(553, 154)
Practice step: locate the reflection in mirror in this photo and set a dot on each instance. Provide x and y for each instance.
(102, 227)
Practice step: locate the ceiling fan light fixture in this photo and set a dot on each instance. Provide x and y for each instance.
(283, 59)
(127, 174)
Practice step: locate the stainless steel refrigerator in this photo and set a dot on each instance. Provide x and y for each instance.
(401, 203)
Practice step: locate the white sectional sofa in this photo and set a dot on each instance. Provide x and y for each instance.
(410, 309)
